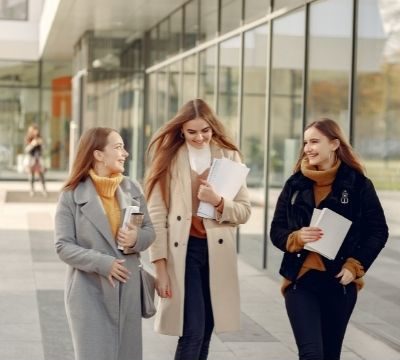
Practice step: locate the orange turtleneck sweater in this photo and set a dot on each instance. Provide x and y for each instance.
(106, 189)
(323, 180)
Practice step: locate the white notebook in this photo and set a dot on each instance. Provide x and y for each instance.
(226, 176)
(334, 227)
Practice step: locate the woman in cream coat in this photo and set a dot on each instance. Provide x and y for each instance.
(195, 259)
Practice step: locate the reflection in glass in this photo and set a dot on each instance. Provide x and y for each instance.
(176, 32)
(151, 115)
(189, 79)
(17, 73)
(330, 61)
(207, 59)
(191, 24)
(376, 123)
(286, 123)
(173, 89)
(162, 99)
(255, 9)
(231, 15)
(14, 10)
(208, 19)
(153, 56)
(253, 140)
(228, 92)
(164, 38)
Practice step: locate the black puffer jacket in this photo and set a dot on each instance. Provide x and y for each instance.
(353, 196)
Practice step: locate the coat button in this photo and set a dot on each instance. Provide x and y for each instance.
(220, 241)
(178, 218)
(176, 244)
(298, 255)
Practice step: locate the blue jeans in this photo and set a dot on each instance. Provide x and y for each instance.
(198, 321)
(319, 309)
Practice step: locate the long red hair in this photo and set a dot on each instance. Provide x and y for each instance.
(167, 140)
(91, 140)
(344, 152)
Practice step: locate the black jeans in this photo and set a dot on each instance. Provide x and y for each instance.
(319, 309)
(198, 322)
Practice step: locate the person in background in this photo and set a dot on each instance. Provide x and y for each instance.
(194, 258)
(102, 293)
(34, 158)
(320, 294)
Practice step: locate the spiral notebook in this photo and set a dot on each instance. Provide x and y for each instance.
(334, 227)
(227, 177)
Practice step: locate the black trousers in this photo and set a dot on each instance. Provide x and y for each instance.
(319, 309)
(198, 322)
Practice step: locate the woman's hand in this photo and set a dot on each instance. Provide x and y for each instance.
(310, 234)
(163, 283)
(346, 276)
(118, 272)
(127, 237)
(207, 193)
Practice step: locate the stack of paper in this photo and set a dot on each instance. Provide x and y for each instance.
(226, 176)
(335, 228)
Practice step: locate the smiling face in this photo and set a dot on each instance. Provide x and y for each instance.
(319, 149)
(112, 158)
(197, 132)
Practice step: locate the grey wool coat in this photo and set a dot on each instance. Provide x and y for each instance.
(105, 322)
(172, 228)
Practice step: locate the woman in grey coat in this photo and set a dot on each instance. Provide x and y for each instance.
(102, 292)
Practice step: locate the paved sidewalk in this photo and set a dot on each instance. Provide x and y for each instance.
(32, 320)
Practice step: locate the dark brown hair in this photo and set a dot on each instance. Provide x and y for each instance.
(167, 140)
(344, 152)
(91, 140)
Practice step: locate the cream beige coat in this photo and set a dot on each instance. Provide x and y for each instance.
(172, 232)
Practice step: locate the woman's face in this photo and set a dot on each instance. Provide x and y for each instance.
(319, 149)
(197, 132)
(112, 158)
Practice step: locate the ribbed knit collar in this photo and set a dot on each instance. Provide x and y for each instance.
(106, 186)
(321, 177)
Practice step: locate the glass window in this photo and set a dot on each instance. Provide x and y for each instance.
(208, 19)
(286, 124)
(279, 4)
(253, 139)
(189, 79)
(191, 24)
(14, 10)
(228, 92)
(231, 15)
(330, 61)
(153, 35)
(151, 124)
(164, 40)
(176, 32)
(207, 59)
(174, 90)
(162, 99)
(17, 73)
(53, 70)
(377, 106)
(255, 9)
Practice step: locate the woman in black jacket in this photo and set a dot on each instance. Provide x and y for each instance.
(320, 294)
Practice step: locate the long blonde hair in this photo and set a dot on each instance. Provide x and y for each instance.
(91, 140)
(167, 140)
(344, 152)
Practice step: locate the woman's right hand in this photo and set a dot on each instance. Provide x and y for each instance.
(118, 272)
(309, 234)
(163, 283)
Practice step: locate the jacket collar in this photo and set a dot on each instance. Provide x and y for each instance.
(86, 196)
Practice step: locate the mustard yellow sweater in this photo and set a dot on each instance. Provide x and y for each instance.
(106, 189)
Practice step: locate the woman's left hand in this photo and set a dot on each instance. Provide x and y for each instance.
(207, 193)
(346, 276)
(127, 237)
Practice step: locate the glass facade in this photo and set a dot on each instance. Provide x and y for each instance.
(40, 93)
(268, 81)
(14, 10)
